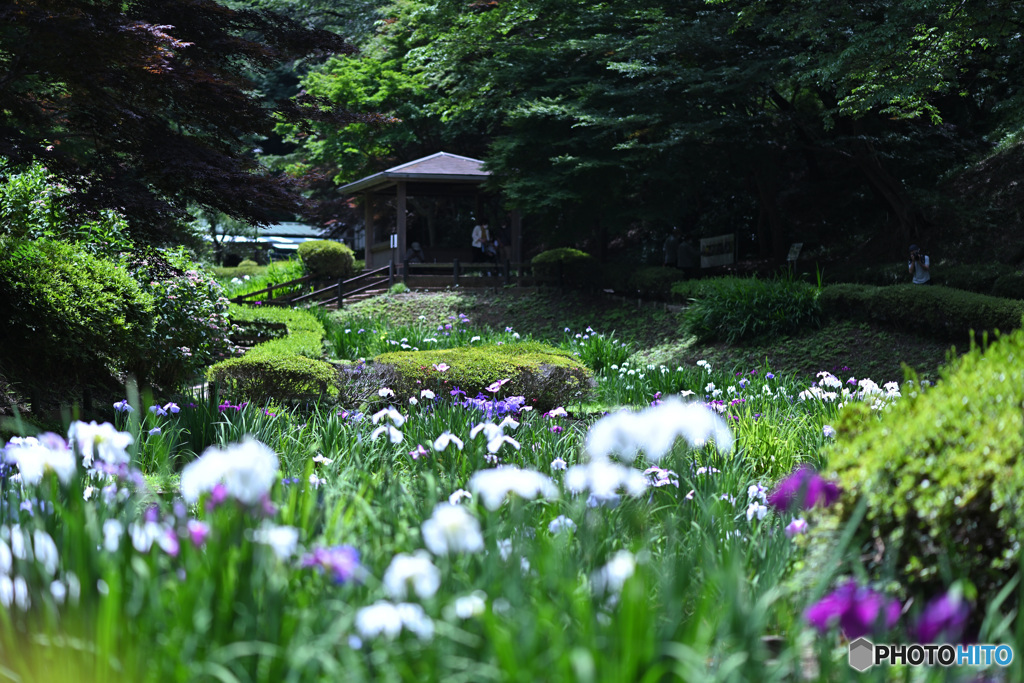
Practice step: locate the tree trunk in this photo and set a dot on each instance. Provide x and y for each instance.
(890, 192)
(775, 244)
(602, 241)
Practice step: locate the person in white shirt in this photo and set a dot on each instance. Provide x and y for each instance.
(919, 266)
(481, 240)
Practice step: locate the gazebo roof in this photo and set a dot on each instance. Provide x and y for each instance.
(436, 168)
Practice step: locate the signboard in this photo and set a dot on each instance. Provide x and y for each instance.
(717, 251)
(794, 251)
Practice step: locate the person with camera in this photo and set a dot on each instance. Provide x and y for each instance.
(919, 266)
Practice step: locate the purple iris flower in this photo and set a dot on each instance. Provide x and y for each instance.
(342, 561)
(803, 489)
(942, 620)
(856, 610)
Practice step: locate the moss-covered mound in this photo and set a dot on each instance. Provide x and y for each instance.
(942, 472)
(285, 368)
(546, 376)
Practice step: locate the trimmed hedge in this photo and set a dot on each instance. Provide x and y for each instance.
(287, 367)
(942, 472)
(546, 376)
(933, 311)
(994, 279)
(326, 259)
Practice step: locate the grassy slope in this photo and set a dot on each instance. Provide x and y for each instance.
(863, 351)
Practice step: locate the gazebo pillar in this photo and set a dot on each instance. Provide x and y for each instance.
(368, 238)
(401, 193)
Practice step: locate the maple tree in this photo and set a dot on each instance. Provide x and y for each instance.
(149, 107)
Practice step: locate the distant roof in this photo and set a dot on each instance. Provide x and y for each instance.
(291, 229)
(439, 167)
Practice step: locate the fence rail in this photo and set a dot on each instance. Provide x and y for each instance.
(461, 274)
(334, 293)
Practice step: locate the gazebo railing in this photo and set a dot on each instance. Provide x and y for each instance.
(458, 270)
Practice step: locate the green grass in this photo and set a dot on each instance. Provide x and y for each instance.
(866, 350)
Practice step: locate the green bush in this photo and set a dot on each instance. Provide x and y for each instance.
(731, 309)
(327, 260)
(655, 281)
(938, 312)
(283, 368)
(687, 290)
(942, 472)
(546, 376)
(68, 313)
(568, 266)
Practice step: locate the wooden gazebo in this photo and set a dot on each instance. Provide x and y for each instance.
(437, 175)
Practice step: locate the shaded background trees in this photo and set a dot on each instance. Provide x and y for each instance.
(840, 126)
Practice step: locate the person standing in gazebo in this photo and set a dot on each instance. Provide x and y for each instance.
(481, 240)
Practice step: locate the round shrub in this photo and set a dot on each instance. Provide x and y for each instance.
(68, 313)
(568, 265)
(325, 259)
(941, 472)
(546, 376)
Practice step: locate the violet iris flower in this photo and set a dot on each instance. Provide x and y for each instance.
(942, 620)
(856, 610)
(342, 561)
(804, 489)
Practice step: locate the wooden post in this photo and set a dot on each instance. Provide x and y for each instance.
(369, 239)
(516, 236)
(270, 292)
(400, 223)
(506, 268)
(391, 273)
(405, 271)
(455, 272)
(341, 292)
